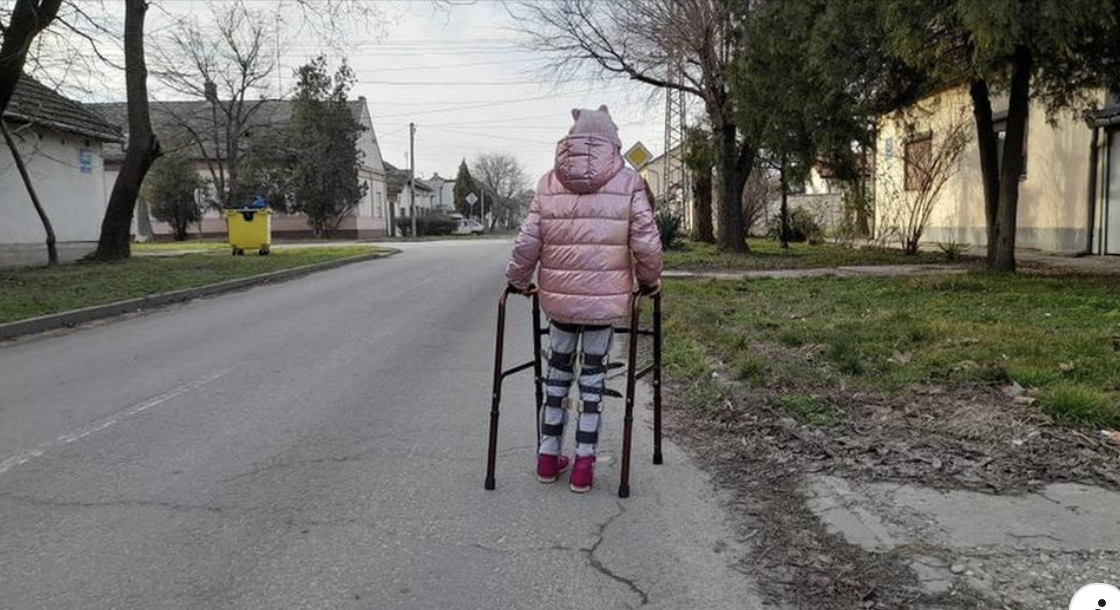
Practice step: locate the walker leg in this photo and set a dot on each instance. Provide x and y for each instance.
(628, 418)
(496, 394)
(538, 372)
(657, 458)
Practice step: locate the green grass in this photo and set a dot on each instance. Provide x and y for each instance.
(1057, 335)
(157, 247)
(766, 254)
(808, 409)
(1080, 404)
(36, 291)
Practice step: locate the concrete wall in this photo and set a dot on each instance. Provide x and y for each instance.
(71, 197)
(1053, 211)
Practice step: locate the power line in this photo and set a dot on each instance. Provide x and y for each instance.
(478, 105)
(487, 135)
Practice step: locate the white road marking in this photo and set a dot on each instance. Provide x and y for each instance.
(26, 456)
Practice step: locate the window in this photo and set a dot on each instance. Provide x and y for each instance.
(917, 156)
(380, 204)
(999, 125)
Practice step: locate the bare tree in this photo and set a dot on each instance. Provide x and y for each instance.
(686, 45)
(502, 175)
(143, 146)
(929, 161)
(52, 250)
(227, 62)
(759, 192)
(27, 19)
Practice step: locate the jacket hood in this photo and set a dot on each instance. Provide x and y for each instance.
(586, 162)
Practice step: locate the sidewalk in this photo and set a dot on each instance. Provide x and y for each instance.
(1086, 264)
(853, 271)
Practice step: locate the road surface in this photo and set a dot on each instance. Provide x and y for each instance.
(320, 444)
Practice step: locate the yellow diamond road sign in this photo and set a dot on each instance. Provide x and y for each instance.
(638, 156)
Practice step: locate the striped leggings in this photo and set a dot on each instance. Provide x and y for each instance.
(596, 344)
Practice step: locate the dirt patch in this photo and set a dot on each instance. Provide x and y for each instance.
(976, 438)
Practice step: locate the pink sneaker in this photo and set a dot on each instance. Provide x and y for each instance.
(549, 467)
(583, 473)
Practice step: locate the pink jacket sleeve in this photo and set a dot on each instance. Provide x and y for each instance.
(527, 249)
(645, 240)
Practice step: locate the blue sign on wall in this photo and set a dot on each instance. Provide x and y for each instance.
(85, 161)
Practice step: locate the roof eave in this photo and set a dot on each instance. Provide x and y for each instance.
(103, 136)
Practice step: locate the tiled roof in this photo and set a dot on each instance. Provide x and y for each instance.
(395, 179)
(174, 122)
(36, 104)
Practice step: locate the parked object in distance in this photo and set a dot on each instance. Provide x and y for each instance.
(468, 226)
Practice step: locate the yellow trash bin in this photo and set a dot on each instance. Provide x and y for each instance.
(249, 229)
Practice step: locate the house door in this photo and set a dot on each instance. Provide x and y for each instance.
(1112, 226)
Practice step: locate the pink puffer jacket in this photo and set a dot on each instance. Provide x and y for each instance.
(591, 229)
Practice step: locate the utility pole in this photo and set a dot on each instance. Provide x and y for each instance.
(412, 176)
(482, 212)
(675, 178)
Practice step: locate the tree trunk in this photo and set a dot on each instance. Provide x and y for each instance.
(702, 207)
(52, 250)
(1012, 167)
(28, 18)
(732, 177)
(784, 230)
(143, 146)
(988, 143)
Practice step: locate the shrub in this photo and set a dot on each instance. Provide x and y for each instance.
(669, 225)
(952, 250)
(803, 227)
(428, 224)
(169, 189)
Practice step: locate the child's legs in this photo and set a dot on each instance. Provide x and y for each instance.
(592, 380)
(562, 342)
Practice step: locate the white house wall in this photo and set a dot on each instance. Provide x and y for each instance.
(1053, 211)
(71, 197)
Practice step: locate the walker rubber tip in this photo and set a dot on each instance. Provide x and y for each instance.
(657, 459)
(624, 491)
(489, 484)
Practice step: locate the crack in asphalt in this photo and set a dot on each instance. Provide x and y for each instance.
(588, 553)
(598, 565)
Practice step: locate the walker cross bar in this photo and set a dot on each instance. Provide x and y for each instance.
(632, 375)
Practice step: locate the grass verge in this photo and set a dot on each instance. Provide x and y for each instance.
(36, 291)
(766, 254)
(1058, 337)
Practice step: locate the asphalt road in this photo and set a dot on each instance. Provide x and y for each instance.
(320, 444)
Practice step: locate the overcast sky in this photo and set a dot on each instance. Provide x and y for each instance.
(461, 74)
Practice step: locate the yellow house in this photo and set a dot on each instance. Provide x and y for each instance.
(1069, 198)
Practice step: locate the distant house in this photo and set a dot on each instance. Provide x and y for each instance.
(444, 188)
(1069, 197)
(177, 123)
(61, 142)
(399, 193)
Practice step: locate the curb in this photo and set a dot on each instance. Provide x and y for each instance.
(75, 317)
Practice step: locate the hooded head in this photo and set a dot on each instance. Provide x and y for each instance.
(596, 123)
(590, 155)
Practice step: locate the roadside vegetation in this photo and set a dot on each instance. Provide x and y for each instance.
(1049, 342)
(767, 254)
(37, 291)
